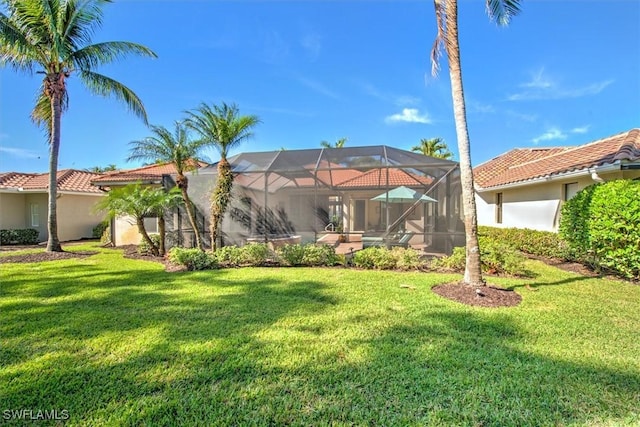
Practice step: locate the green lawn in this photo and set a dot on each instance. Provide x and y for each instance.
(120, 342)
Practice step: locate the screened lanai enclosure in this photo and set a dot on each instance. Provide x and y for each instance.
(355, 197)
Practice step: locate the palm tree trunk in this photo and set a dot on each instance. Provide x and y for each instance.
(472, 272)
(145, 236)
(55, 87)
(162, 231)
(220, 199)
(183, 185)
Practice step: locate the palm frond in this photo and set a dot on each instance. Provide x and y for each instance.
(436, 50)
(106, 86)
(97, 54)
(501, 11)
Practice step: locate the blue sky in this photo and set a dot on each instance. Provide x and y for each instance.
(563, 73)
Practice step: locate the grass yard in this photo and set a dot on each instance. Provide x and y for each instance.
(115, 341)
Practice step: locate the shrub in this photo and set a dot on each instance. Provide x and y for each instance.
(374, 257)
(230, 256)
(192, 258)
(496, 257)
(23, 236)
(407, 259)
(602, 224)
(98, 230)
(255, 253)
(291, 254)
(143, 246)
(315, 255)
(534, 242)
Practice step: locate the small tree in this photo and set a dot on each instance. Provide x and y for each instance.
(141, 202)
(434, 147)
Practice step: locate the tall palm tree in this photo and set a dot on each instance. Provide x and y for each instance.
(500, 11)
(434, 147)
(224, 128)
(176, 148)
(338, 144)
(54, 37)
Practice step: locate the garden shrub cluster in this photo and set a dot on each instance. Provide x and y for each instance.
(98, 230)
(192, 258)
(381, 258)
(255, 254)
(23, 236)
(143, 246)
(534, 242)
(602, 226)
(308, 255)
(497, 257)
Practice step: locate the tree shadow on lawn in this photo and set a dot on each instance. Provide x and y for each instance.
(142, 348)
(116, 341)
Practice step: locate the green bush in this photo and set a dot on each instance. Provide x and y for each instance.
(534, 242)
(143, 246)
(98, 230)
(407, 259)
(23, 236)
(317, 255)
(255, 253)
(229, 256)
(192, 258)
(291, 254)
(496, 257)
(602, 225)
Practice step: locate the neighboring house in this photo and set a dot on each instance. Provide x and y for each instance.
(123, 229)
(525, 187)
(24, 202)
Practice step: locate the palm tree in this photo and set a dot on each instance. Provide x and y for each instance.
(338, 144)
(53, 36)
(102, 169)
(434, 147)
(141, 202)
(447, 24)
(175, 148)
(224, 128)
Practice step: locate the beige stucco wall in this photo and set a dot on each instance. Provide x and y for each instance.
(12, 211)
(535, 206)
(76, 216)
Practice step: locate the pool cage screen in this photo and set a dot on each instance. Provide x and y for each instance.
(363, 196)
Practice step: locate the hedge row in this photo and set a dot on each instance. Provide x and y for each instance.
(25, 236)
(602, 226)
(534, 242)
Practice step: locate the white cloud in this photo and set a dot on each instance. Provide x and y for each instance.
(539, 81)
(20, 153)
(542, 87)
(550, 135)
(398, 100)
(581, 129)
(408, 115)
(318, 87)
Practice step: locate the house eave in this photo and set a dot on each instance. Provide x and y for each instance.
(588, 171)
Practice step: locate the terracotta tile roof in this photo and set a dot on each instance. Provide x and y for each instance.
(520, 165)
(144, 173)
(72, 180)
(378, 177)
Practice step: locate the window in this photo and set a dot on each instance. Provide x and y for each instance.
(498, 208)
(34, 209)
(570, 190)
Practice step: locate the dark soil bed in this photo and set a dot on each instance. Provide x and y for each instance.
(485, 296)
(131, 251)
(44, 256)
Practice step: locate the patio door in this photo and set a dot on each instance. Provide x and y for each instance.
(359, 215)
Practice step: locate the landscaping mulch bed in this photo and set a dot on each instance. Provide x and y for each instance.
(44, 256)
(485, 296)
(131, 251)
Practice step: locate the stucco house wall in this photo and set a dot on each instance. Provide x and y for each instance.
(12, 211)
(77, 216)
(535, 206)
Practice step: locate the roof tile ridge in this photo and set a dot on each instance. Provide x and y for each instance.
(498, 157)
(564, 150)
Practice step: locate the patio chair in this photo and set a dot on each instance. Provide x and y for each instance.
(403, 241)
